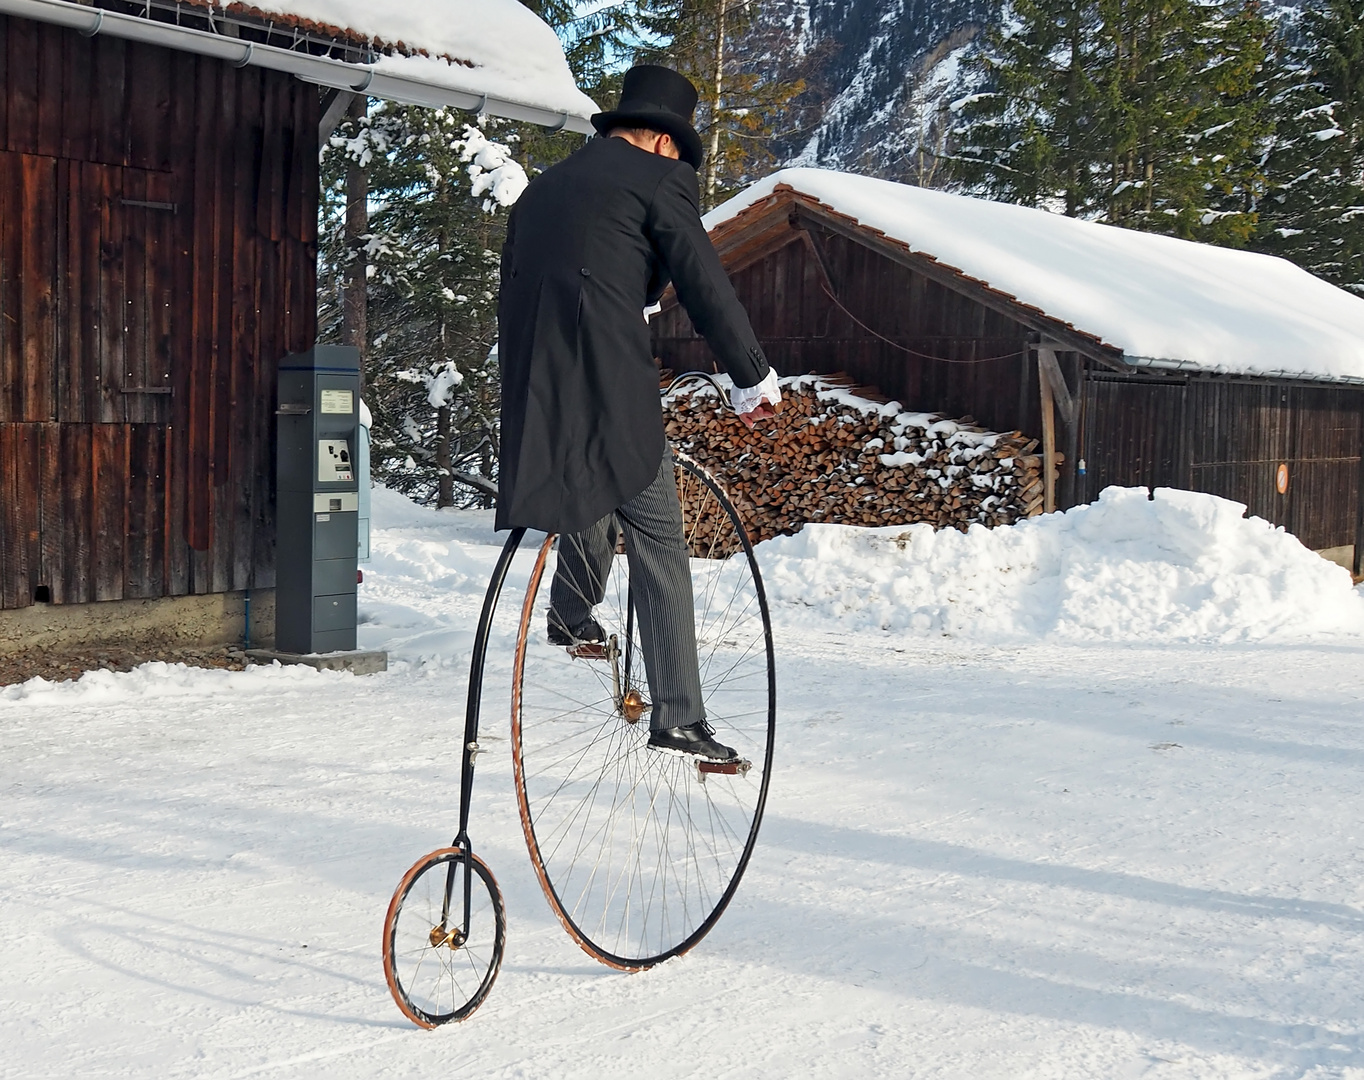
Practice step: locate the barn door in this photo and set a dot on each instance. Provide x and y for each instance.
(117, 249)
(85, 379)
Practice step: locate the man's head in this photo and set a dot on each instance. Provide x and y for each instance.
(656, 142)
(656, 103)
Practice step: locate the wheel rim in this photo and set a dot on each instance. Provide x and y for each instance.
(435, 973)
(638, 852)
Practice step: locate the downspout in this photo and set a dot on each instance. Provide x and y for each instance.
(321, 70)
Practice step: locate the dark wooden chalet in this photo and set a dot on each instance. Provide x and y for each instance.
(828, 293)
(158, 228)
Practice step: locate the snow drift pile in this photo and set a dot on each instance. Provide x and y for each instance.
(1178, 566)
(834, 455)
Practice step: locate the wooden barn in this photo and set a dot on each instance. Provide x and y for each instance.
(1134, 359)
(158, 228)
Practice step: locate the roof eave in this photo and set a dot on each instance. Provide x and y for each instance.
(748, 227)
(321, 70)
(1187, 367)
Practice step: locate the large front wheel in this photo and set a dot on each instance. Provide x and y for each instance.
(639, 851)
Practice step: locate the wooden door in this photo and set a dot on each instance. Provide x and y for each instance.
(86, 313)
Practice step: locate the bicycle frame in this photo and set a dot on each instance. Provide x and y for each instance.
(471, 718)
(473, 707)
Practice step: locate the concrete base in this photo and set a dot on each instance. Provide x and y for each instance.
(361, 662)
(170, 622)
(1341, 556)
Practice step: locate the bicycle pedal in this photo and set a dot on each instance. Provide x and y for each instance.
(589, 650)
(705, 766)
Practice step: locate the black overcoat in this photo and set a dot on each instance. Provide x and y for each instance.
(591, 242)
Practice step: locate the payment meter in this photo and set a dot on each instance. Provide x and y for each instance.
(317, 505)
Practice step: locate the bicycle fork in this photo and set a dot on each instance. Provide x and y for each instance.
(443, 934)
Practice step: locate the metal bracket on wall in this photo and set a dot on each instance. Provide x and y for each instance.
(334, 105)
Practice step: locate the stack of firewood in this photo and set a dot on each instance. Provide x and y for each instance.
(840, 453)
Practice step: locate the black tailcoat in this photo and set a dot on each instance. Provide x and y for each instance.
(592, 242)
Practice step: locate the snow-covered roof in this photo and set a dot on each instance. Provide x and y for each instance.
(1161, 301)
(493, 56)
(494, 47)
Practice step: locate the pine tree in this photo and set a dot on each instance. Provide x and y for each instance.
(725, 47)
(1183, 118)
(1140, 113)
(424, 237)
(1314, 214)
(439, 192)
(1033, 137)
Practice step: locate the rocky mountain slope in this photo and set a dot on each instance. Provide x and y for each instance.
(885, 69)
(883, 73)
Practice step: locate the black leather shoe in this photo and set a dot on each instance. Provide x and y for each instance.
(589, 633)
(692, 739)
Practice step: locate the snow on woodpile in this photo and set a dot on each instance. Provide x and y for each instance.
(494, 47)
(833, 455)
(1181, 566)
(1153, 297)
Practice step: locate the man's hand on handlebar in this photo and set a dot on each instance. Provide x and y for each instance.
(757, 403)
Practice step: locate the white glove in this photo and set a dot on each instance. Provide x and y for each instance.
(747, 399)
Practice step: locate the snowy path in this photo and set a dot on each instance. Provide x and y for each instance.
(978, 861)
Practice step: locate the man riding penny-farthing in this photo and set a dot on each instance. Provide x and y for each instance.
(643, 691)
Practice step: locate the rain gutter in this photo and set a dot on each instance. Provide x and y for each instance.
(321, 70)
(1191, 368)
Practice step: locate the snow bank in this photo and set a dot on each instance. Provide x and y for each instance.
(1180, 567)
(1154, 297)
(159, 681)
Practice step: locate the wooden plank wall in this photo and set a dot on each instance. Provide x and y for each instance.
(802, 330)
(1228, 437)
(158, 230)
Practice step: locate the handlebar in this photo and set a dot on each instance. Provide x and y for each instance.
(702, 376)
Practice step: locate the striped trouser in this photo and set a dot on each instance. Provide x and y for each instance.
(660, 583)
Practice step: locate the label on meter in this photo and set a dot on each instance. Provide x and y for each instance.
(338, 402)
(333, 461)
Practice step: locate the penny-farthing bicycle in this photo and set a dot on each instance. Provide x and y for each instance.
(637, 850)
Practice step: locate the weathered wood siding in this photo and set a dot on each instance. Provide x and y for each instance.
(803, 330)
(1228, 436)
(158, 220)
(1225, 436)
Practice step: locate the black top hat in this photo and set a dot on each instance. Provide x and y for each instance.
(660, 99)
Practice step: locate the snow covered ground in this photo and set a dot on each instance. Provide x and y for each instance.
(1024, 849)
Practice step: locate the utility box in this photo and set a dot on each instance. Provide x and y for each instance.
(318, 500)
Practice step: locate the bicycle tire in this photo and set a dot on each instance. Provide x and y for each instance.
(647, 877)
(410, 939)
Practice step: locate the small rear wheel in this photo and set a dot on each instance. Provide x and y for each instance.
(443, 937)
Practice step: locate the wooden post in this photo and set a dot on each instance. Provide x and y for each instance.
(1048, 434)
(1070, 494)
(1057, 398)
